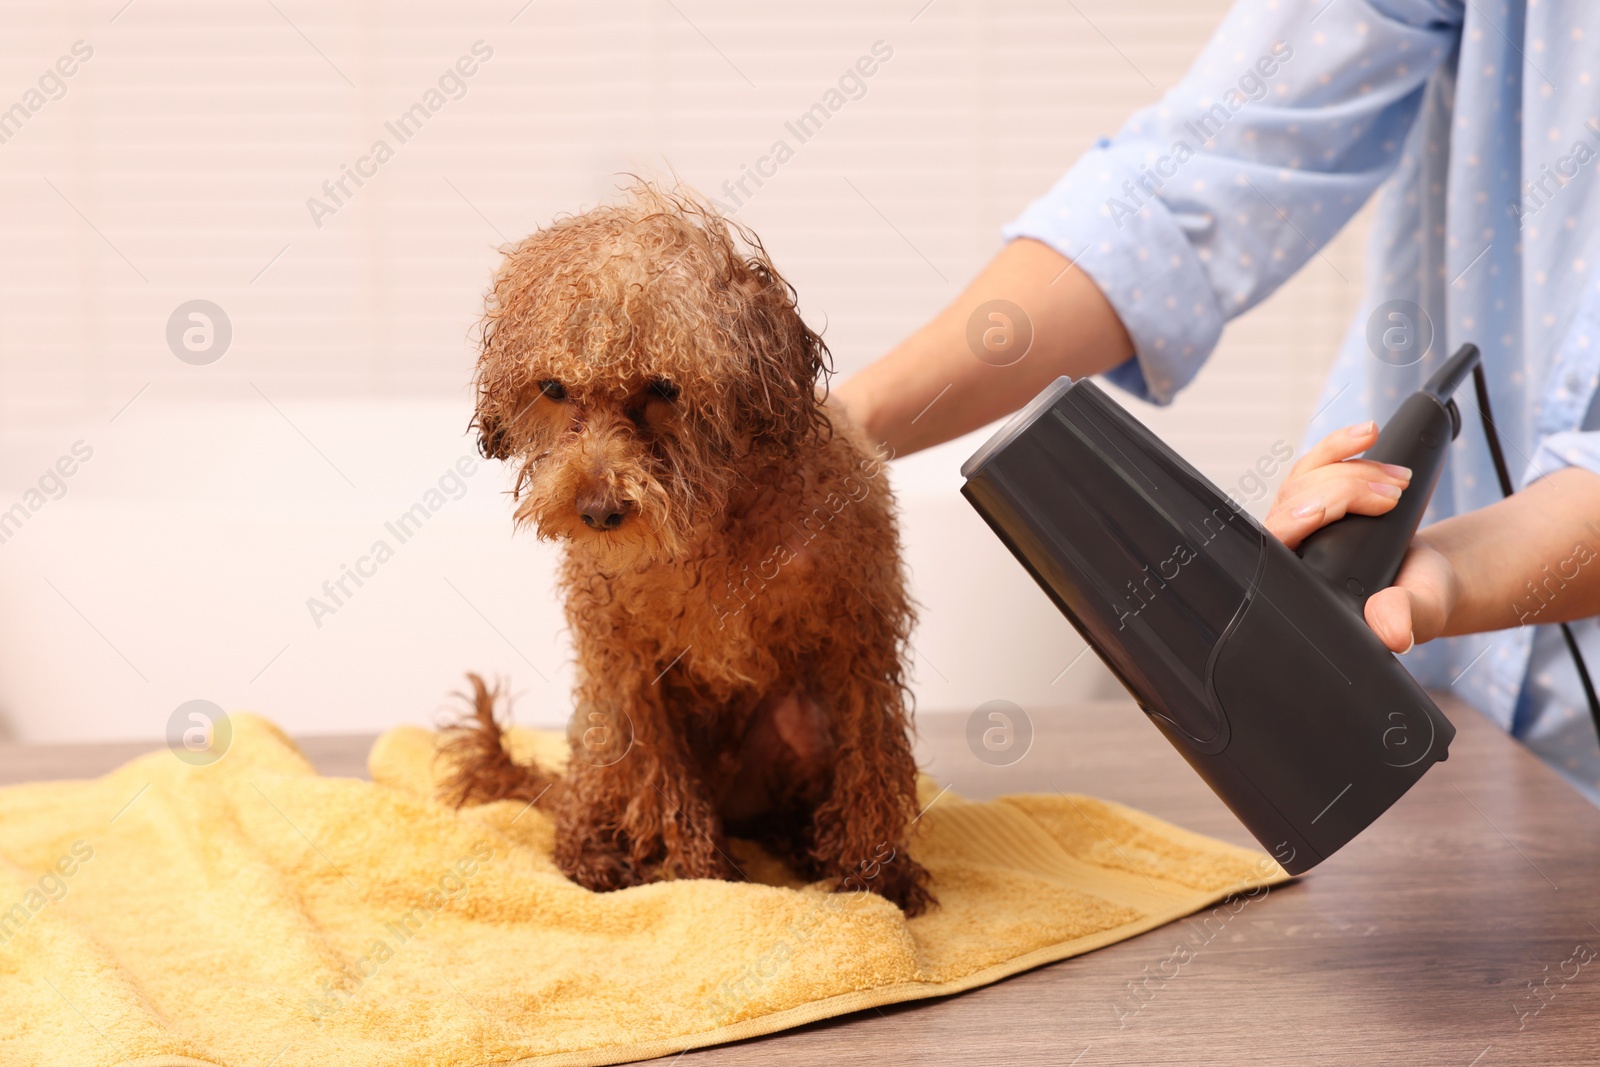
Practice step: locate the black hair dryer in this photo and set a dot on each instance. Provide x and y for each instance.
(1255, 662)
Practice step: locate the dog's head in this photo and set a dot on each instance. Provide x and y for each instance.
(640, 362)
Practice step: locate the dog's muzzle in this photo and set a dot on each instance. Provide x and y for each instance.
(600, 512)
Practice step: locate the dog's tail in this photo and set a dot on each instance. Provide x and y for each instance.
(483, 769)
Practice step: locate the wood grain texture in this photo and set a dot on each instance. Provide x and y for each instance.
(1420, 943)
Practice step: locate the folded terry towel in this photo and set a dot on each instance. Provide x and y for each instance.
(252, 913)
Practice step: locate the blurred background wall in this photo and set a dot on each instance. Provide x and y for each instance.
(195, 153)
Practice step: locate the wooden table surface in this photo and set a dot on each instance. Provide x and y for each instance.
(1461, 930)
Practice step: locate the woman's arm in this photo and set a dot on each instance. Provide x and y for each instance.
(1181, 222)
(1531, 559)
(933, 386)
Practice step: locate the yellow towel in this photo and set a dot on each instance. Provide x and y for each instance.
(252, 913)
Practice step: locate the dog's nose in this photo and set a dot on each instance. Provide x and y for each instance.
(600, 512)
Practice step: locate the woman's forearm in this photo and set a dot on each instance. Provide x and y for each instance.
(933, 386)
(1531, 559)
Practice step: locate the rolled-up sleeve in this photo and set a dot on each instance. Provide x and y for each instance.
(1206, 202)
(1575, 448)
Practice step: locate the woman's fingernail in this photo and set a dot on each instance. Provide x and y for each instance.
(1396, 470)
(1385, 489)
(1310, 507)
(1362, 429)
(1412, 643)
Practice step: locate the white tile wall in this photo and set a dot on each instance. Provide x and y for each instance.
(178, 164)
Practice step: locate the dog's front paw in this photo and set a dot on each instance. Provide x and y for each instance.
(900, 880)
(904, 882)
(598, 869)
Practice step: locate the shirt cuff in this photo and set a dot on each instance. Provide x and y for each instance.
(1571, 448)
(1141, 260)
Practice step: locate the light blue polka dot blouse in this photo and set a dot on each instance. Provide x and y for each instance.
(1478, 124)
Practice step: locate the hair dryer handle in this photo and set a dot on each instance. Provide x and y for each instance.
(1361, 554)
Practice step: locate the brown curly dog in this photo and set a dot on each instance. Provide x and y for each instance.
(731, 567)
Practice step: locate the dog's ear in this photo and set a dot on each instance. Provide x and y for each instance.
(788, 361)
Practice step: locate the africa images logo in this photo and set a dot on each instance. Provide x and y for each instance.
(1250, 88)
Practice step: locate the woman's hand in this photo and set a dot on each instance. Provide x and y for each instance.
(1417, 607)
(1326, 486)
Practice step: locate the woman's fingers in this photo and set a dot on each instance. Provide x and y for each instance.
(1325, 486)
(1416, 607)
(1389, 614)
(1317, 496)
(1292, 527)
(1340, 444)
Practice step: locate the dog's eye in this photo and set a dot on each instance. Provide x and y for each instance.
(552, 389)
(663, 389)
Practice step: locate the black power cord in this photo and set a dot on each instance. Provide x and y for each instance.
(1480, 384)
